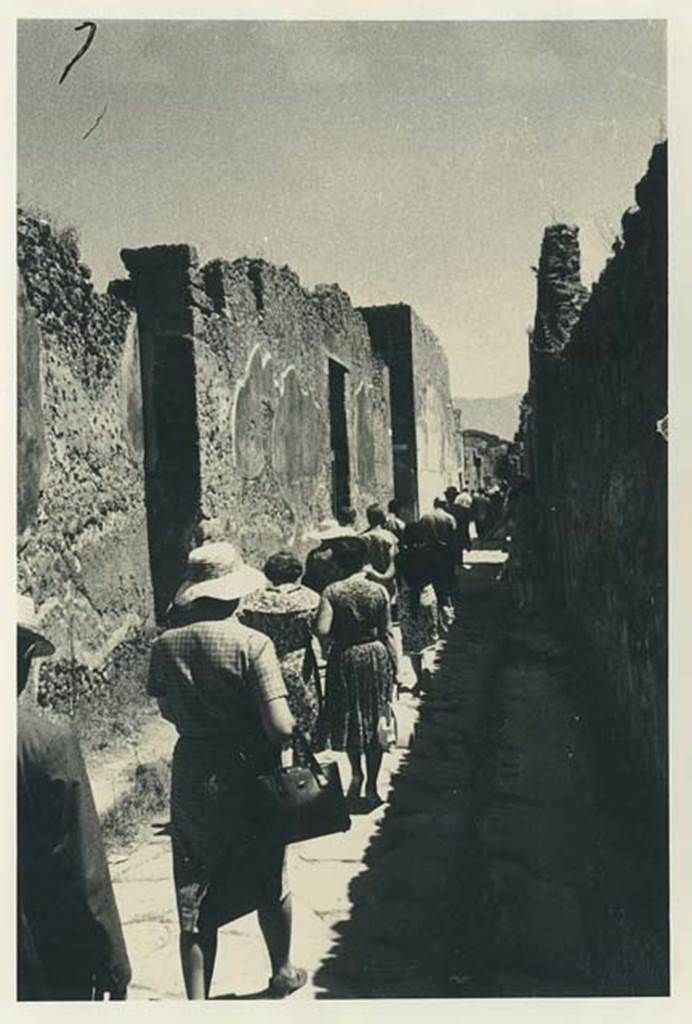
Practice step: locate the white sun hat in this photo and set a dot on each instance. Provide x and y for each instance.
(27, 620)
(330, 529)
(217, 570)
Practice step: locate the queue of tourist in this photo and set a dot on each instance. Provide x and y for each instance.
(248, 660)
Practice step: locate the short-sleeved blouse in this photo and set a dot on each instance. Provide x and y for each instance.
(211, 675)
(285, 613)
(359, 608)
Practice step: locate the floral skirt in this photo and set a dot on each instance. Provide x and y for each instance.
(360, 681)
(418, 618)
(300, 675)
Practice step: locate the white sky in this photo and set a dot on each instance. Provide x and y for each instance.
(407, 161)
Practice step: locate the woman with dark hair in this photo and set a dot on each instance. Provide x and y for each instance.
(220, 684)
(286, 611)
(354, 615)
(321, 567)
(418, 612)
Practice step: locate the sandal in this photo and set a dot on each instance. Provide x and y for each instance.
(282, 985)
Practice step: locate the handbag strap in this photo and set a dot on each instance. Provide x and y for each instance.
(313, 670)
(300, 739)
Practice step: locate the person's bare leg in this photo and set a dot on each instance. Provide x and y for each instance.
(356, 784)
(209, 937)
(426, 662)
(373, 761)
(417, 666)
(197, 956)
(276, 922)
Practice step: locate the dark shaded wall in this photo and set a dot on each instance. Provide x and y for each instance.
(163, 292)
(82, 544)
(248, 352)
(598, 389)
(427, 457)
(390, 332)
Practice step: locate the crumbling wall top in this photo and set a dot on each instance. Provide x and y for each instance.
(160, 257)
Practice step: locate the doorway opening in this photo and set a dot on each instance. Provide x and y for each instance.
(338, 436)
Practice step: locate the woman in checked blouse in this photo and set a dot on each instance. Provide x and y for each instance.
(220, 684)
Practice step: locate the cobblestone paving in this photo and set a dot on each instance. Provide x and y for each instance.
(321, 873)
(495, 867)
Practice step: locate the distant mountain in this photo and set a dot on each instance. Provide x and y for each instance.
(494, 415)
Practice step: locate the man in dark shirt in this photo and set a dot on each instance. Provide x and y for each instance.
(462, 517)
(70, 941)
(440, 537)
(479, 513)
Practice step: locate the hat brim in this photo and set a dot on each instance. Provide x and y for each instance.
(43, 648)
(230, 587)
(335, 534)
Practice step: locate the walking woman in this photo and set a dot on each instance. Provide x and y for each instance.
(321, 568)
(285, 611)
(354, 615)
(220, 684)
(418, 612)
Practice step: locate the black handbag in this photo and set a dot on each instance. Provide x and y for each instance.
(302, 802)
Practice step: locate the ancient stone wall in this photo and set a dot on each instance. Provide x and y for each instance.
(598, 390)
(439, 458)
(427, 455)
(389, 328)
(264, 406)
(195, 402)
(252, 413)
(459, 444)
(485, 458)
(82, 534)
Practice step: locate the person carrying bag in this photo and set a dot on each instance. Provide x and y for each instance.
(303, 801)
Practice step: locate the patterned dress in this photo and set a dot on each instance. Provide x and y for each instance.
(286, 614)
(361, 664)
(418, 610)
(210, 677)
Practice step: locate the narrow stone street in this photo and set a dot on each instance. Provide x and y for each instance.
(499, 865)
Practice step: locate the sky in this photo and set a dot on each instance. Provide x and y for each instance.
(412, 162)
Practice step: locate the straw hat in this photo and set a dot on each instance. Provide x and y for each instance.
(330, 529)
(27, 621)
(217, 570)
